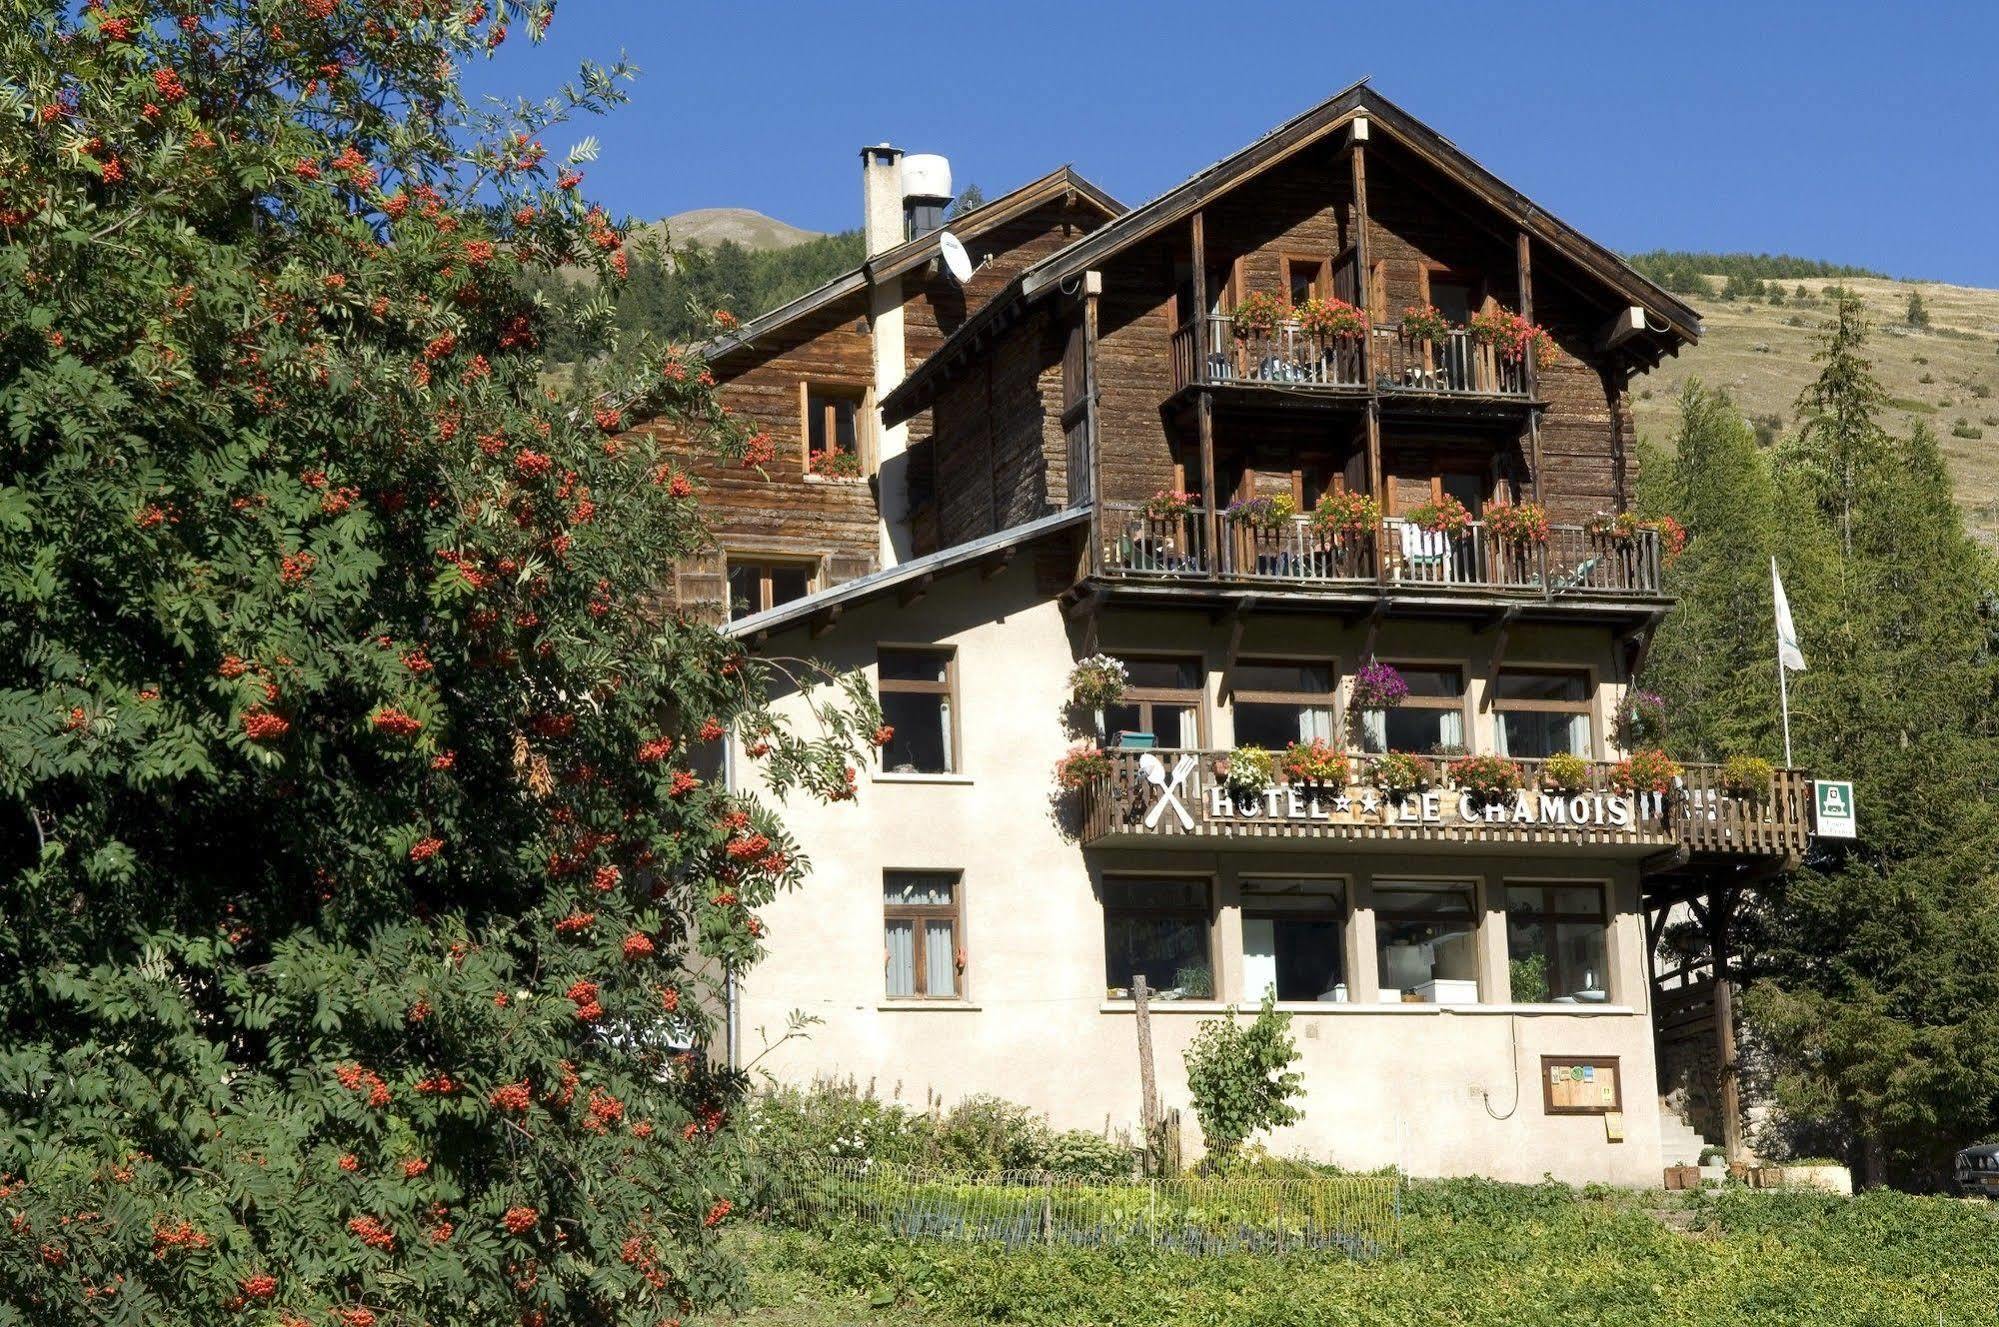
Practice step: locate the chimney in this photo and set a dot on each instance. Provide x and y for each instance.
(881, 197)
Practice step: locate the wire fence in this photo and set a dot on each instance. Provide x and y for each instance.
(1355, 1216)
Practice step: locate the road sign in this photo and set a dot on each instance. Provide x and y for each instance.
(1832, 800)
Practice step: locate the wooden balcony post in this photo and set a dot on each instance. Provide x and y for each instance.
(1363, 278)
(1205, 411)
(1375, 484)
(1524, 261)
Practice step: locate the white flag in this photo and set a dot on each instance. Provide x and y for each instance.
(1788, 653)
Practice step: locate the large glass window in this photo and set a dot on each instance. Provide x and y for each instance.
(1542, 713)
(1161, 706)
(1158, 929)
(1429, 721)
(755, 584)
(917, 699)
(1426, 941)
(1294, 939)
(1557, 944)
(1276, 704)
(920, 912)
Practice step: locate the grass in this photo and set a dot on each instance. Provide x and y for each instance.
(1477, 1254)
(1762, 354)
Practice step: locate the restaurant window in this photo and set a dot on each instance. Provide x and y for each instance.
(1157, 929)
(1426, 941)
(1542, 714)
(918, 702)
(757, 584)
(1161, 705)
(921, 935)
(1429, 721)
(834, 415)
(1294, 939)
(1277, 703)
(1557, 944)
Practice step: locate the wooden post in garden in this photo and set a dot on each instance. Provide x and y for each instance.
(1148, 1095)
(1721, 907)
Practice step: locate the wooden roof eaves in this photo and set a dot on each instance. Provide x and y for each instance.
(914, 253)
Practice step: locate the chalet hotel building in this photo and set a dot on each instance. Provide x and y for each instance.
(1291, 425)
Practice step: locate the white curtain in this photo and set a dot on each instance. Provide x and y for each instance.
(1451, 729)
(1579, 740)
(940, 961)
(901, 959)
(1314, 721)
(1374, 728)
(1190, 729)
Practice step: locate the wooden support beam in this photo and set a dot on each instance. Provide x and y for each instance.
(823, 620)
(1523, 263)
(1628, 323)
(995, 563)
(911, 591)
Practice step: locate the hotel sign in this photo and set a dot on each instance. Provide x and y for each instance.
(1598, 811)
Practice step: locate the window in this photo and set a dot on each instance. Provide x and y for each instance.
(1556, 943)
(920, 917)
(1426, 940)
(1542, 713)
(1157, 929)
(756, 585)
(1453, 299)
(1429, 721)
(1276, 703)
(834, 415)
(1294, 939)
(916, 688)
(1161, 706)
(1305, 278)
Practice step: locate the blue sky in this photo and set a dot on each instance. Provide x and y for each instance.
(1858, 133)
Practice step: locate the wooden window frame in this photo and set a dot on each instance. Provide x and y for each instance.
(1328, 700)
(1341, 911)
(861, 394)
(1501, 706)
(1321, 266)
(765, 563)
(920, 915)
(1204, 917)
(1597, 1062)
(1548, 918)
(1146, 697)
(948, 689)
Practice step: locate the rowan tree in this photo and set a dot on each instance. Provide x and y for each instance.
(363, 867)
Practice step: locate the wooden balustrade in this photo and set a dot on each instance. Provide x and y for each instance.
(1161, 795)
(1396, 555)
(1454, 366)
(1208, 352)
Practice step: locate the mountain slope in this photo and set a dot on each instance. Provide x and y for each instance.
(753, 230)
(1946, 374)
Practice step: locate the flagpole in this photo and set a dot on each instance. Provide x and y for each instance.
(1783, 683)
(1784, 703)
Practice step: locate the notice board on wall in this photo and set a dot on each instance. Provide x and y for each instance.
(1580, 1085)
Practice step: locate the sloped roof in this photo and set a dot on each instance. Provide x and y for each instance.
(1333, 115)
(914, 253)
(875, 583)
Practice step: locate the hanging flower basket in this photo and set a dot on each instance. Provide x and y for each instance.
(1248, 769)
(1263, 513)
(1331, 319)
(1399, 774)
(1315, 761)
(1377, 686)
(1650, 771)
(1098, 681)
(1484, 778)
(1640, 721)
(1748, 776)
(1168, 504)
(1343, 513)
(1423, 322)
(1445, 516)
(1518, 522)
(1258, 314)
(1565, 773)
(1082, 766)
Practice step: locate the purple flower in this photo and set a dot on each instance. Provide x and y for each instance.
(1377, 686)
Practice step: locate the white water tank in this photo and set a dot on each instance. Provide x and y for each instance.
(927, 176)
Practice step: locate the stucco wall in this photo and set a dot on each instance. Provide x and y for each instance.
(1437, 1090)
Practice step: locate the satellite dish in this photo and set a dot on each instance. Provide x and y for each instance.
(956, 261)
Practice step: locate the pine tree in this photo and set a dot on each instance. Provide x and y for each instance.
(969, 200)
(1917, 314)
(1841, 448)
(359, 876)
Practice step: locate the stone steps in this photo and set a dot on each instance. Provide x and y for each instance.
(1679, 1142)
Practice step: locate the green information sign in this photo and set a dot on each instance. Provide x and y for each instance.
(1832, 802)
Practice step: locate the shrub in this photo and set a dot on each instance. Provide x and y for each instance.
(1240, 1078)
(1747, 776)
(1315, 761)
(1566, 773)
(985, 1133)
(1529, 978)
(1086, 1155)
(1398, 774)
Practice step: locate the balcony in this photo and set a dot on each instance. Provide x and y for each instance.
(1395, 556)
(1169, 798)
(1209, 352)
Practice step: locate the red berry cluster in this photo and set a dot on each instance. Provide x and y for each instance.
(637, 948)
(519, 1220)
(396, 723)
(515, 1097)
(575, 922)
(372, 1232)
(356, 1079)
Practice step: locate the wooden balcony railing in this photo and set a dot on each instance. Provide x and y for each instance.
(1159, 796)
(1455, 366)
(1394, 556)
(1208, 352)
